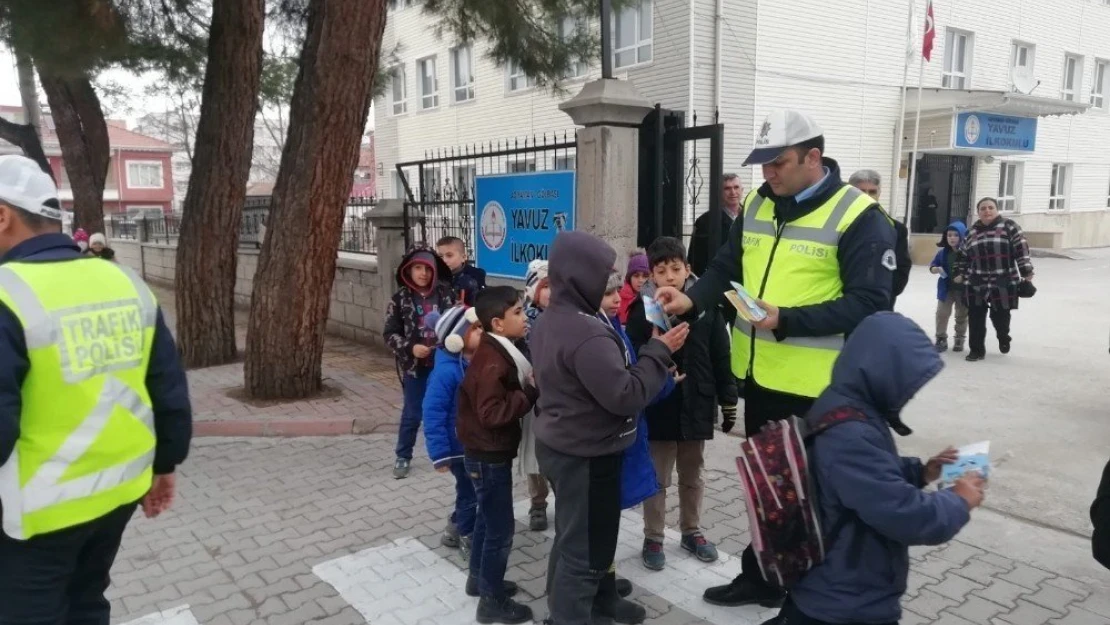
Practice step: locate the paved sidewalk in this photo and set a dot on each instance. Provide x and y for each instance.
(362, 393)
(255, 516)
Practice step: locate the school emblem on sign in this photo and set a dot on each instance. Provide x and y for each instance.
(972, 128)
(493, 225)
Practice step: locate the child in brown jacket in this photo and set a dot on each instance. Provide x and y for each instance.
(496, 392)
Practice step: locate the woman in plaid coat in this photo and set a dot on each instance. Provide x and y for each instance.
(993, 261)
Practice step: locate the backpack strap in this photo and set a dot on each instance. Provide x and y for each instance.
(844, 414)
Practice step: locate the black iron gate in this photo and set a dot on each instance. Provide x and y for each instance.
(672, 182)
(943, 192)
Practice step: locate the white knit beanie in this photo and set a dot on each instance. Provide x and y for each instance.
(452, 325)
(537, 270)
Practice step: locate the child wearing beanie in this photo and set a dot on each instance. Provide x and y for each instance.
(457, 335)
(537, 296)
(639, 272)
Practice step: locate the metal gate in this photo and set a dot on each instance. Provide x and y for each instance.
(943, 192)
(673, 175)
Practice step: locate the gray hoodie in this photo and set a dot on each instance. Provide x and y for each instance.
(589, 396)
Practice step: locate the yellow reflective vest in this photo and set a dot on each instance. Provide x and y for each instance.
(86, 442)
(790, 265)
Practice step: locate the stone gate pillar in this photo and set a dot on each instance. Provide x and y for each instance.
(611, 112)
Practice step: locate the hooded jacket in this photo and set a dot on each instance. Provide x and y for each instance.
(589, 395)
(946, 259)
(403, 328)
(859, 473)
(1100, 519)
(440, 408)
(690, 412)
(867, 281)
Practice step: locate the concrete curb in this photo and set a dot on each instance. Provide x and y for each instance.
(292, 427)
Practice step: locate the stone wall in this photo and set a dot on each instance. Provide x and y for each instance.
(357, 310)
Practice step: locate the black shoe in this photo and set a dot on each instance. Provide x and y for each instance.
(942, 345)
(505, 610)
(624, 587)
(1004, 346)
(537, 519)
(622, 611)
(510, 588)
(974, 356)
(959, 346)
(744, 592)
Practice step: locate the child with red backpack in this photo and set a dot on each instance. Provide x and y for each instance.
(840, 477)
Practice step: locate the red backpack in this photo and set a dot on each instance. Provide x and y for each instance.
(782, 498)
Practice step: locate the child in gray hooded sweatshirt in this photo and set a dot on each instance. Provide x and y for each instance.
(586, 416)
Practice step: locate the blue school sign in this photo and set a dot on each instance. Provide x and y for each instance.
(518, 218)
(988, 131)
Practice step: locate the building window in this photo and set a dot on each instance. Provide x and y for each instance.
(957, 60)
(568, 29)
(144, 174)
(517, 167)
(1009, 185)
(397, 91)
(1099, 84)
(429, 83)
(1022, 55)
(1058, 190)
(632, 30)
(462, 73)
(518, 80)
(1073, 78)
(564, 163)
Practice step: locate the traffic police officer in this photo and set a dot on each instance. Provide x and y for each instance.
(94, 409)
(819, 254)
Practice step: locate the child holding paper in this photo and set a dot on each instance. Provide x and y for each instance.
(679, 425)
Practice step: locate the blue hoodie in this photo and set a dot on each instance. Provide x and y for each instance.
(440, 408)
(946, 258)
(885, 361)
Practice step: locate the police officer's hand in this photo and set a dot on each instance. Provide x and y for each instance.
(674, 302)
(160, 496)
(771, 321)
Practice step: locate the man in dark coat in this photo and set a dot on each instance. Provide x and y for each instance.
(870, 182)
(732, 195)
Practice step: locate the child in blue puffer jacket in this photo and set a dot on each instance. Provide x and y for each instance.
(457, 336)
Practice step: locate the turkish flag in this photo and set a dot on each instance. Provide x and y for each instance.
(930, 32)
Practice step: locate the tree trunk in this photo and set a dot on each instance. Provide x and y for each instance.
(25, 137)
(28, 92)
(83, 135)
(207, 252)
(292, 289)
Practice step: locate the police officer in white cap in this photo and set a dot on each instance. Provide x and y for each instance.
(819, 255)
(94, 409)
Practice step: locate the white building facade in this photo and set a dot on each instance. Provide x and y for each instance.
(844, 63)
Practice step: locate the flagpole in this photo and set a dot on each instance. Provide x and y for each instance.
(913, 155)
(901, 131)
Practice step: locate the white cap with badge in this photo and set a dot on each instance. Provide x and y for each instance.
(782, 129)
(25, 186)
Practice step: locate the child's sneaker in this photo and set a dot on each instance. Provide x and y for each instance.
(450, 537)
(696, 544)
(505, 610)
(537, 519)
(959, 345)
(942, 345)
(653, 555)
(401, 468)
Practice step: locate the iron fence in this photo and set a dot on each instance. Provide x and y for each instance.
(357, 235)
(441, 186)
(121, 227)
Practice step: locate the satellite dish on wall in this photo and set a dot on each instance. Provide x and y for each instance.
(1023, 80)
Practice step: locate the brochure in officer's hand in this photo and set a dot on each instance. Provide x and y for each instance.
(745, 304)
(654, 313)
